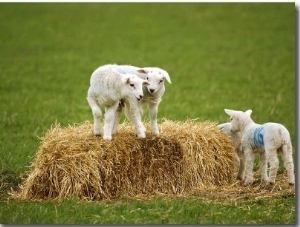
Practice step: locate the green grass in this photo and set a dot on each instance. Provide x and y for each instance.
(156, 211)
(229, 55)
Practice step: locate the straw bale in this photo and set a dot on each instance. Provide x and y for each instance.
(185, 157)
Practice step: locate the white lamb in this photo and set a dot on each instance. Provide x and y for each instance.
(107, 88)
(153, 92)
(268, 140)
(235, 138)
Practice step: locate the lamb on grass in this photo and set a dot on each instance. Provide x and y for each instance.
(153, 92)
(235, 138)
(108, 88)
(268, 140)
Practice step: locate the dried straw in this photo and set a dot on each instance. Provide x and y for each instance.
(258, 190)
(185, 157)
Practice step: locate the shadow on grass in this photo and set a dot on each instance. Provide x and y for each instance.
(9, 179)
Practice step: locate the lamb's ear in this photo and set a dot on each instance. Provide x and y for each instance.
(167, 77)
(248, 112)
(142, 71)
(146, 83)
(126, 79)
(228, 112)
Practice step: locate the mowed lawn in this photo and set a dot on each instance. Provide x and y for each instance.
(218, 55)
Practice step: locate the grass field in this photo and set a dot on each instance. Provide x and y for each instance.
(229, 55)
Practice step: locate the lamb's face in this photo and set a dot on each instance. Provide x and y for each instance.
(155, 78)
(134, 86)
(235, 123)
(225, 127)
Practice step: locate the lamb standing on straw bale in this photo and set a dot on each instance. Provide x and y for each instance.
(237, 146)
(153, 92)
(185, 157)
(107, 88)
(268, 140)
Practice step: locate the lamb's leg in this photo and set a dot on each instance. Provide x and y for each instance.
(153, 110)
(130, 117)
(109, 120)
(249, 160)
(240, 175)
(117, 117)
(141, 112)
(133, 113)
(263, 165)
(274, 164)
(97, 113)
(127, 112)
(287, 156)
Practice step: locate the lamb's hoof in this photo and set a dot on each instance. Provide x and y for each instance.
(248, 183)
(291, 183)
(265, 181)
(141, 136)
(98, 133)
(107, 137)
(239, 178)
(155, 132)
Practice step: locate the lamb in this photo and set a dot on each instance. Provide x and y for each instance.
(235, 138)
(268, 140)
(153, 92)
(110, 88)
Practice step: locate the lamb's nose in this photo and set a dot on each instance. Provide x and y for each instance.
(152, 90)
(141, 96)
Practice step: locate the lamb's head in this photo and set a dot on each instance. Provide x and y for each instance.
(133, 86)
(238, 119)
(155, 76)
(225, 127)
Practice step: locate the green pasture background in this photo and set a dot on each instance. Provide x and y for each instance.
(218, 55)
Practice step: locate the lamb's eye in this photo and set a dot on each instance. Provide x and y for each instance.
(231, 119)
(160, 81)
(132, 85)
(147, 78)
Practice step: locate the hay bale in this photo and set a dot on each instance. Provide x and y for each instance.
(72, 162)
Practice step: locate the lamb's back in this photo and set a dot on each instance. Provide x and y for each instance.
(105, 86)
